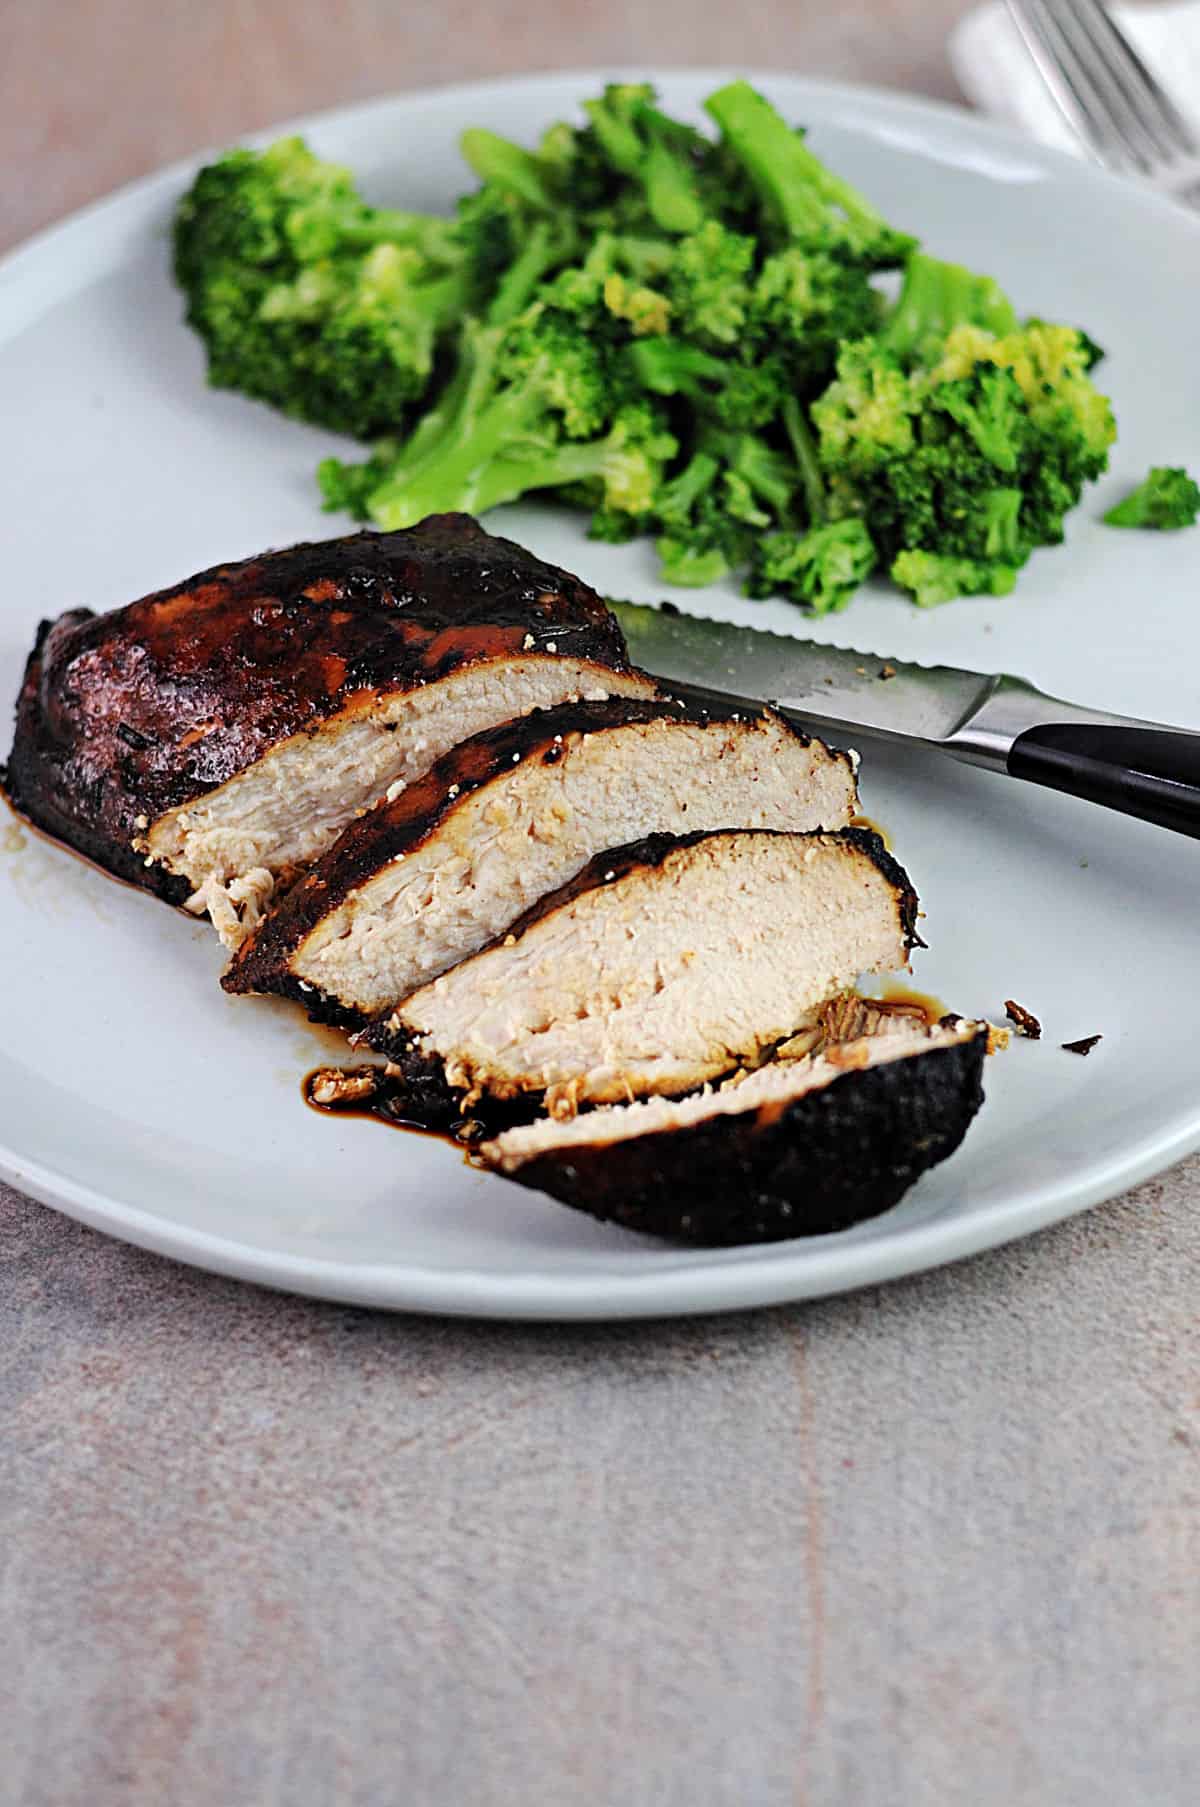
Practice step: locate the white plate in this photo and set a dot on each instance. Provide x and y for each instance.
(136, 1097)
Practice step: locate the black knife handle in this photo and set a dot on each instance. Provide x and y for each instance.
(1153, 773)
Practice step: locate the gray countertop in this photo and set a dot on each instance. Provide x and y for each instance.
(934, 1543)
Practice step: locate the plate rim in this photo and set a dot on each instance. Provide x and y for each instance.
(778, 1273)
(774, 1274)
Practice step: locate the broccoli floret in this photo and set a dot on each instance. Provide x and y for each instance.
(510, 250)
(733, 392)
(622, 472)
(708, 284)
(805, 305)
(682, 335)
(679, 497)
(691, 563)
(1092, 353)
(513, 171)
(530, 408)
(348, 488)
(1050, 366)
(1166, 499)
(801, 199)
(732, 489)
(631, 169)
(611, 525)
(934, 579)
(700, 540)
(936, 297)
(657, 154)
(607, 292)
(975, 461)
(760, 482)
(820, 569)
(989, 407)
(864, 420)
(306, 297)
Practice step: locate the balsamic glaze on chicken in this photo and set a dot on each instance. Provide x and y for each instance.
(213, 738)
(797, 1148)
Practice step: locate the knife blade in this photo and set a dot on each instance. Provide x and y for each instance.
(995, 720)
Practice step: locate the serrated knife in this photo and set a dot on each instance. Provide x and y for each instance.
(1141, 768)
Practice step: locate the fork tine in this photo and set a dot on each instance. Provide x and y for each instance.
(1157, 108)
(1110, 98)
(1103, 87)
(1070, 81)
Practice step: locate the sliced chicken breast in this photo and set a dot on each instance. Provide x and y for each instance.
(661, 966)
(424, 880)
(797, 1148)
(214, 738)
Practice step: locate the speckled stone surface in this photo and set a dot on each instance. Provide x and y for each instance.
(938, 1543)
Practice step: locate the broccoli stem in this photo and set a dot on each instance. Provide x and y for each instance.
(934, 298)
(544, 248)
(644, 145)
(465, 470)
(768, 473)
(680, 495)
(617, 135)
(671, 193)
(508, 165)
(692, 567)
(807, 462)
(794, 184)
(444, 462)
(673, 367)
(1001, 512)
(483, 445)
(349, 226)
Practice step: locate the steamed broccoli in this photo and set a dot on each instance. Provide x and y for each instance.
(805, 305)
(733, 488)
(530, 407)
(972, 456)
(510, 249)
(732, 390)
(1167, 499)
(708, 279)
(699, 542)
(936, 297)
(935, 577)
(654, 152)
(820, 569)
(683, 334)
(802, 201)
(306, 297)
(631, 168)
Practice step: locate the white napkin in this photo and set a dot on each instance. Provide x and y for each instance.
(997, 73)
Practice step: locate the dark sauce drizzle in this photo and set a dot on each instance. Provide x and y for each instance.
(895, 991)
(384, 1102)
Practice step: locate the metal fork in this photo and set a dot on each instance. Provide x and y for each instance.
(1100, 84)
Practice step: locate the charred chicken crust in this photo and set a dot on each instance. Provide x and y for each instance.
(831, 1157)
(130, 714)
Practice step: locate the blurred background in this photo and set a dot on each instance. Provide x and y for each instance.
(95, 93)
